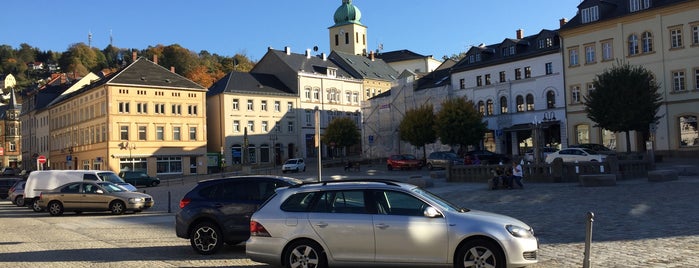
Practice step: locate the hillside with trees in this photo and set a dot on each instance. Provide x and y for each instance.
(79, 59)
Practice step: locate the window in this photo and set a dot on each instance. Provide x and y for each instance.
(489, 107)
(192, 133)
(678, 81)
(160, 133)
(609, 139)
(607, 50)
(264, 126)
(573, 56)
(236, 126)
(636, 5)
(250, 106)
(502, 77)
(348, 97)
(590, 14)
(142, 108)
(123, 107)
(520, 103)
(263, 105)
(575, 94)
(647, 42)
(590, 54)
(290, 126)
(160, 108)
(503, 105)
(236, 105)
(676, 37)
(695, 35)
(527, 72)
(142, 131)
(401, 204)
(518, 74)
(481, 107)
(462, 83)
(696, 78)
(277, 106)
(355, 97)
(633, 45)
(316, 94)
(289, 106)
(251, 126)
(590, 88)
(479, 81)
(124, 133)
(307, 93)
(487, 79)
(582, 134)
(176, 109)
(689, 135)
(530, 102)
(176, 133)
(512, 50)
(550, 99)
(192, 109)
(549, 68)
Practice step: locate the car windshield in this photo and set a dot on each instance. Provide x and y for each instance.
(111, 187)
(290, 162)
(452, 156)
(110, 177)
(444, 204)
(589, 151)
(409, 157)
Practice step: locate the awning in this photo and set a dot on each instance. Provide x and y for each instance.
(529, 126)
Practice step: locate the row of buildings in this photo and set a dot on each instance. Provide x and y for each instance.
(147, 117)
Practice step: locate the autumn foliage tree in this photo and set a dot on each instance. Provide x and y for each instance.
(417, 127)
(459, 123)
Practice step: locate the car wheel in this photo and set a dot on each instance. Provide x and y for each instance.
(55, 208)
(154, 183)
(389, 167)
(117, 207)
(19, 201)
(480, 253)
(206, 238)
(36, 207)
(305, 253)
(429, 166)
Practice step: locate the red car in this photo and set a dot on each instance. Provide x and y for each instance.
(403, 161)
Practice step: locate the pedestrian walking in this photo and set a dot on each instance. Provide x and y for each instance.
(516, 175)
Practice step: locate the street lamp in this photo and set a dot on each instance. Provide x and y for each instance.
(317, 134)
(273, 139)
(130, 147)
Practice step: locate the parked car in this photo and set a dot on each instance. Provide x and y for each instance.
(595, 147)
(442, 159)
(139, 178)
(16, 193)
(84, 196)
(5, 185)
(576, 154)
(529, 154)
(403, 161)
(294, 164)
(218, 211)
(488, 157)
(380, 222)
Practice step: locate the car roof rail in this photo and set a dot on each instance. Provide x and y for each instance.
(384, 181)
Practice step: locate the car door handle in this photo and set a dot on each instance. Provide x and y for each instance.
(321, 224)
(382, 226)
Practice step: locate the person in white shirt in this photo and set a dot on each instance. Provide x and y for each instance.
(517, 174)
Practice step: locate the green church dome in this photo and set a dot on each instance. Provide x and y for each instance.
(347, 13)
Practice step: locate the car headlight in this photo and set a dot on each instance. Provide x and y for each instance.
(135, 200)
(518, 231)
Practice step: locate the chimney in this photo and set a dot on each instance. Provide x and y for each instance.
(155, 59)
(371, 55)
(520, 34)
(133, 56)
(562, 22)
(172, 69)
(322, 55)
(287, 50)
(308, 53)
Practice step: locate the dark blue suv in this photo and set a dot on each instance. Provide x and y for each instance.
(218, 211)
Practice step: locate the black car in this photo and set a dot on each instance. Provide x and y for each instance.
(601, 149)
(488, 157)
(218, 211)
(5, 185)
(136, 178)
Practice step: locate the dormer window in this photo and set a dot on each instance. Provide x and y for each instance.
(332, 72)
(478, 57)
(471, 59)
(637, 5)
(590, 14)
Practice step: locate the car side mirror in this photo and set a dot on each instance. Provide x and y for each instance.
(431, 212)
(99, 191)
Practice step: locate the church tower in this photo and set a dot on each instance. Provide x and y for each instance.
(348, 35)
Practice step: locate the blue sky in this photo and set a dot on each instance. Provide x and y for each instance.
(227, 27)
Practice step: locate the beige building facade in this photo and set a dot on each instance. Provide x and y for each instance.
(663, 37)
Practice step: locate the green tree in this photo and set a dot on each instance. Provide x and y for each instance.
(458, 122)
(82, 59)
(417, 127)
(342, 132)
(625, 98)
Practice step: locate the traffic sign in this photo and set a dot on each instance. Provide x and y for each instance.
(41, 159)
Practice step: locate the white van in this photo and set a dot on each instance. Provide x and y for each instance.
(45, 180)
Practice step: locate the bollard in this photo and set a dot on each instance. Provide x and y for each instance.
(577, 168)
(588, 239)
(169, 203)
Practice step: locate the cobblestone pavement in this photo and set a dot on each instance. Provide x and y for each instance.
(637, 224)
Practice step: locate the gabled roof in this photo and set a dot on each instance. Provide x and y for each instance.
(437, 78)
(361, 67)
(143, 72)
(611, 9)
(399, 55)
(250, 83)
(307, 64)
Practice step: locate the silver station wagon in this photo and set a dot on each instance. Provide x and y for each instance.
(382, 222)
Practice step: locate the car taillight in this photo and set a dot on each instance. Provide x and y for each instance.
(184, 202)
(256, 229)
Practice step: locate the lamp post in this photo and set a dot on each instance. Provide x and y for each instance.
(317, 134)
(538, 137)
(131, 146)
(273, 139)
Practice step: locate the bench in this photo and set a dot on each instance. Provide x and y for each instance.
(662, 175)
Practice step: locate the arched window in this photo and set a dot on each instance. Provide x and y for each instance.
(503, 105)
(647, 41)
(530, 102)
(633, 45)
(489, 107)
(550, 99)
(481, 107)
(520, 103)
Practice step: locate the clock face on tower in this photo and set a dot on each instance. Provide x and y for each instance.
(342, 31)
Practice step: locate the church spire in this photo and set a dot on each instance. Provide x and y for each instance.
(348, 35)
